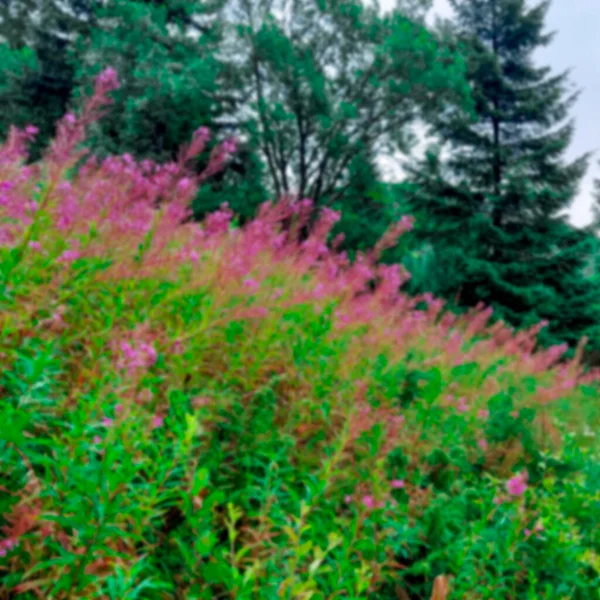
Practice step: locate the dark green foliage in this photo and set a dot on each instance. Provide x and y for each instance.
(331, 85)
(491, 200)
(36, 81)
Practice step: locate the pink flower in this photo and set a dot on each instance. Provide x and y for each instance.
(514, 414)
(157, 421)
(106, 422)
(369, 501)
(31, 131)
(517, 485)
(462, 405)
(150, 352)
(203, 133)
(35, 245)
(482, 443)
(251, 284)
(184, 185)
(347, 499)
(527, 532)
(70, 118)
(200, 401)
(483, 414)
(229, 146)
(108, 80)
(118, 408)
(97, 439)
(68, 256)
(397, 484)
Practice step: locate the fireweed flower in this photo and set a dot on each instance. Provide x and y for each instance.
(483, 414)
(7, 545)
(229, 146)
(397, 484)
(482, 443)
(108, 80)
(68, 256)
(462, 405)
(251, 284)
(157, 421)
(368, 501)
(517, 485)
(106, 422)
(203, 133)
(31, 131)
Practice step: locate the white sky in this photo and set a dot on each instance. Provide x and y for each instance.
(576, 46)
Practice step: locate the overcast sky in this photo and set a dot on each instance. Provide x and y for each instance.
(576, 46)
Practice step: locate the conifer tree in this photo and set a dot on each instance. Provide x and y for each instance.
(331, 86)
(492, 195)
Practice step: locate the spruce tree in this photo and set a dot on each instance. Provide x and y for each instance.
(492, 195)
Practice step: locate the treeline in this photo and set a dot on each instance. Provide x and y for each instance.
(315, 92)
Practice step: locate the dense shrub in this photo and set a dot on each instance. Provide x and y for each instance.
(206, 411)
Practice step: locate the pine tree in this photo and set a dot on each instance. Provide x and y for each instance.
(493, 195)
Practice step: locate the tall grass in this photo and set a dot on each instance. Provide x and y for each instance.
(196, 410)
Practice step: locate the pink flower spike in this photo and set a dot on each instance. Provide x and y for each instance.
(2, 552)
(106, 422)
(97, 439)
(397, 484)
(482, 443)
(108, 80)
(203, 133)
(527, 532)
(347, 499)
(157, 421)
(483, 414)
(516, 486)
(35, 245)
(118, 408)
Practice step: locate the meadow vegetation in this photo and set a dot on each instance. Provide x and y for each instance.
(205, 410)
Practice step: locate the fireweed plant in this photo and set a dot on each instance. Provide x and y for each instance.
(197, 410)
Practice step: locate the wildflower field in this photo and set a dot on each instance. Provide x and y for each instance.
(203, 410)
